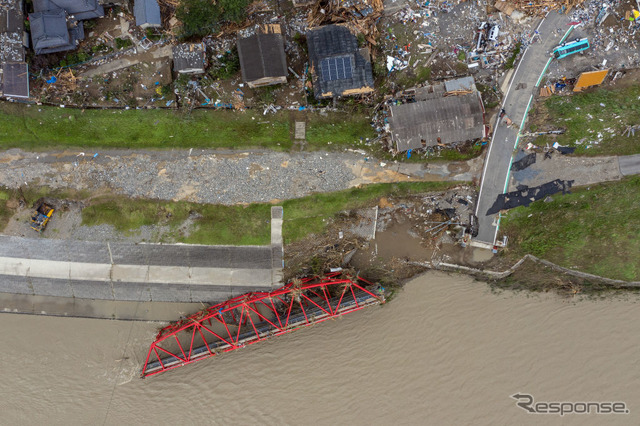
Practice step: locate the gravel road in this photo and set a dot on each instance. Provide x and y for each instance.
(209, 176)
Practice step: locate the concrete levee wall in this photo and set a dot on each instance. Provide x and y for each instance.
(122, 291)
(139, 272)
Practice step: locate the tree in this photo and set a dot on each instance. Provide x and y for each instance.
(203, 17)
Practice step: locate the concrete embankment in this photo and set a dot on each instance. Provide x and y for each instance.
(139, 272)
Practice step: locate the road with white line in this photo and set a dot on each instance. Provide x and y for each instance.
(553, 29)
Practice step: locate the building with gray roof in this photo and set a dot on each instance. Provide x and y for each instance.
(441, 114)
(147, 13)
(52, 31)
(79, 9)
(15, 80)
(338, 66)
(14, 72)
(189, 58)
(56, 24)
(11, 31)
(262, 58)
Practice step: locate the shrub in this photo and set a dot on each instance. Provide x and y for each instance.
(203, 17)
(123, 43)
(228, 65)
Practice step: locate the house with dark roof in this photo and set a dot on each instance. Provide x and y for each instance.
(147, 13)
(441, 114)
(14, 72)
(189, 58)
(79, 10)
(262, 58)
(52, 31)
(15, 80)
(338, 66)
(56, 24)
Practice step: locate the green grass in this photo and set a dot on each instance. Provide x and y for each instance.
(5, 213)
(244, 225)
(514, 55)
(42, 127)
(340, 132)
(595, 230)
(213, 224)
(581, 113)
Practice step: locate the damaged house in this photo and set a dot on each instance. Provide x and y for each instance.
(147, 14)
(56, 24)
(262, 58)
(338, 66)
(53, 31)
(14, 71)
(442, 114)
(189, 58)
(80, 10)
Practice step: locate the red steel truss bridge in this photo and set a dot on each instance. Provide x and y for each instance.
(257, 316)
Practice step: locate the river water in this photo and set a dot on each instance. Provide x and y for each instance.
(446, 350)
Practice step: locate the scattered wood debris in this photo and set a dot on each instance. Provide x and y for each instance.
(536, 7)
(360, 15)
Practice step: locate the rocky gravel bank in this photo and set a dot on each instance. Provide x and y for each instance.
(202, 176)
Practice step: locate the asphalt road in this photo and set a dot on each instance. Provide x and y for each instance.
(516, 102)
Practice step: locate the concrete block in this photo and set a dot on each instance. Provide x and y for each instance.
(210, 294)
(138, 292)
(210, 276)
(130, 273)
(51, 287)
(169, 274)
(170, 293)
(92, 290)
(251, 278)
(15, 284)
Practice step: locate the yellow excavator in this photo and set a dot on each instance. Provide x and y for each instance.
(41, 217)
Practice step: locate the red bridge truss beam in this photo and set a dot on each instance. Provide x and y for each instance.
(257, 316)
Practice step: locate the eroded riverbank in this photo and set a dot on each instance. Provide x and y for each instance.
(447, 350)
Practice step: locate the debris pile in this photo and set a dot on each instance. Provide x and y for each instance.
(361, 16)
(536, 7)
(433, 216)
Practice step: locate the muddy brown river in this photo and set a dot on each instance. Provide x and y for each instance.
(446, 351)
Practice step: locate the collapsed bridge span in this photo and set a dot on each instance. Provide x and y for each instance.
(257, 316)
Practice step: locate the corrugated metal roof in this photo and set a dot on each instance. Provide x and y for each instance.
(262, 55)
(464, 83)
(15, 80)
(452, 119)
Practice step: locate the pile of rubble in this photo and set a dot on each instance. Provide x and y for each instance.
(360, 15)
(536, 7)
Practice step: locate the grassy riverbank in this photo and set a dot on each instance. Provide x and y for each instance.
(598, 115)
(218, 224)
(595, 230)
(45, 128)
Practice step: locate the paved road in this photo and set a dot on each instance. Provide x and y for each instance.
(629, 164)
(516, 102)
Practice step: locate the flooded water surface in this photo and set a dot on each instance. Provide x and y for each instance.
(445, 351)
